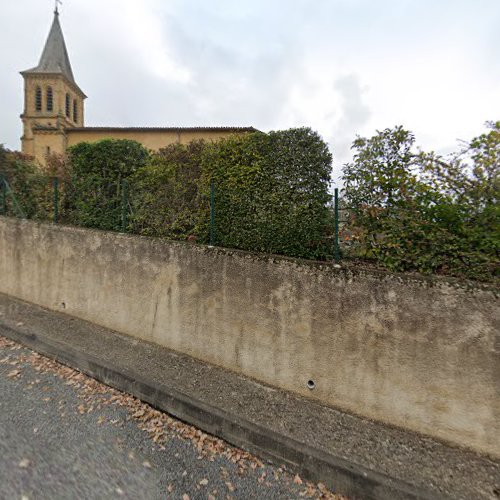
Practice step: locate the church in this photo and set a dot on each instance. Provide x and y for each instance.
(54, 110)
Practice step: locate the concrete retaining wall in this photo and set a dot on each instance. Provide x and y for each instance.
(419, 353)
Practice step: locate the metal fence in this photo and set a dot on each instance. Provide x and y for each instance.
(7, 194)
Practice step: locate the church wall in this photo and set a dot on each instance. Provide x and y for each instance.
(28, 146)
(60, 88)
(47, 143)
(187, 137)
(151, 139)
(54, 131)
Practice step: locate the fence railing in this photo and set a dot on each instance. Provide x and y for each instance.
(387, 236)
(7, 193)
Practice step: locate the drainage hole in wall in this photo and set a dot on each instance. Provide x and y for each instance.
(311, 385)
(63, 305)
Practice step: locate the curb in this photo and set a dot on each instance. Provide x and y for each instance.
(312, 464)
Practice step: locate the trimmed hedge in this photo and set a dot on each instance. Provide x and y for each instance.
(271, 193)
(164, 192)
(406, 209)
(94, 195)
(271, 190)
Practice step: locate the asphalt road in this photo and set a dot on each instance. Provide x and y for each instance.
(64, 435)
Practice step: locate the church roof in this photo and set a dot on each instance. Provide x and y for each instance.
(162, 129)
(55, 57)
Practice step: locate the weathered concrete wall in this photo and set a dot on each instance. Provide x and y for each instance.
(419, 353)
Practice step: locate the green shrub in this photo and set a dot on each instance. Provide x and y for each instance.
(30, 185)
(271, 193)
(164, 192)
(416, 211)
(97, 171)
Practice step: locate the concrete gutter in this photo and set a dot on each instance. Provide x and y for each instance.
(96, 352)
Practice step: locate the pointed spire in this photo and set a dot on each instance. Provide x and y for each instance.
(55, 57)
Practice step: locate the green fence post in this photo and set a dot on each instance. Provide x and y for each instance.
(124, 205)
(3, 187)
(336, 239)
(55, 183)
(15, 204)
(212, 213)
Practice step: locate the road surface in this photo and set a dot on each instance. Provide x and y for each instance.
(64, 435)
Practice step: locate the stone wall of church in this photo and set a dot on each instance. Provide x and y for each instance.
(41, 143)
(52, 139)
(47, 143)
(153, 139)
(60, 88)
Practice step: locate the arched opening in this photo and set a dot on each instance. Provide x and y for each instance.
(50, 99)
(38, 99)
(68, 106)
(75, 111)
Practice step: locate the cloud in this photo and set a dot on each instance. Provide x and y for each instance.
(354, 115)
(343, 67)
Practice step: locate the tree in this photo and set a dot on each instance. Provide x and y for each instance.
(382, 171)
(418, 211)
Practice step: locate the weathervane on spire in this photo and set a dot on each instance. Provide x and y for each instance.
(58, 2)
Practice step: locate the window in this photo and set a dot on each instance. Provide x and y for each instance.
(50, 99)
(38, 99)
(75, 111)
(68, 106)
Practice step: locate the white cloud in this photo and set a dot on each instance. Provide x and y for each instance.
(342, 67)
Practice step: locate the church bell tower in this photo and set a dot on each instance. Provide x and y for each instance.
(53, 102)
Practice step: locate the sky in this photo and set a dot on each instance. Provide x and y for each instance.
(342, 67)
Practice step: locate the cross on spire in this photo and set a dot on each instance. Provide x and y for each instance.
(58, 2)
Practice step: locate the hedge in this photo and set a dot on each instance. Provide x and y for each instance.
(402, 208)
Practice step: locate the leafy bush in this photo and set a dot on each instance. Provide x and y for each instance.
(31, 186)
(407, 209)
(271, 192)
(164, 192)
(235, 166)
(418, 211)
(97, 171)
